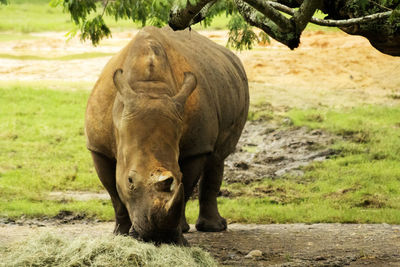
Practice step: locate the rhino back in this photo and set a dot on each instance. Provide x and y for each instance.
(216, 111)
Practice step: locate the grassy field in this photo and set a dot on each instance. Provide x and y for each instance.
(43, 149)
(22, 16)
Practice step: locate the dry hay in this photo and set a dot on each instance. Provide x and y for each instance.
(50, 249)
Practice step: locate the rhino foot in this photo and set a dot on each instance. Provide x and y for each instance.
(185, 227)
(211, 225)
(122, 225)
(122, 228)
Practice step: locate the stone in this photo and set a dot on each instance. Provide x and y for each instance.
(254, 254)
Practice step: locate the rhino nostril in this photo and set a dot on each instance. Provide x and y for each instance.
(165, 184)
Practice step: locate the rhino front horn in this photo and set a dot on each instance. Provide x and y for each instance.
(174, 207)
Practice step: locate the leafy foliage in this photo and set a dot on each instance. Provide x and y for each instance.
(366, 7)
(394, 19)
(241, 35)
(95, 29)
(88, 16)
(363, 7)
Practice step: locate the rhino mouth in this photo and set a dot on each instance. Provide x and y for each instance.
(158, 237)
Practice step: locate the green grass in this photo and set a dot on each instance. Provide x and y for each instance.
(43, 149)
(38, 16)
(32, 16)
(43, 143)
(40, 208)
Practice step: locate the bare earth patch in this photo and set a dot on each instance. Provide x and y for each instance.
(329, 68)
(262, 245)
(267, 150)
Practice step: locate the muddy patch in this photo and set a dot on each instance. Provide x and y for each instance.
(266, 150)
(62, 217)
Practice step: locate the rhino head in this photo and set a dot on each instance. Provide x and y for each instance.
(148, 129)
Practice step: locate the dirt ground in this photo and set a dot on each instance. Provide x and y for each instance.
(294, 245)
(330, 69)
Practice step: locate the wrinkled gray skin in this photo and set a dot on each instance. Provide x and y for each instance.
(165, 113)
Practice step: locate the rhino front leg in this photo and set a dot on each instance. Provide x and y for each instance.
(191, 169)
(209, 218)
(105, 169)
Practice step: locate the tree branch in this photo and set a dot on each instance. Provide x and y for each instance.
(381, 6)
(305, 12)
(271, 13)
(181, 18)
(203, 13)
(289, 3)
(104, 8)
(290, 39)
(331, 22)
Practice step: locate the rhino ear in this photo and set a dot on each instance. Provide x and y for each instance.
(189, 84)
(121, 83)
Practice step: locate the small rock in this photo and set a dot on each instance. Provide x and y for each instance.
(224, 193)
(231, 256)
(287, 122)
(254, 254)
(242, 165)
(268, 131)
(320, 258)
(316, 132)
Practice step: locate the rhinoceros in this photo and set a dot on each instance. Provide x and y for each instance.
(165, 113)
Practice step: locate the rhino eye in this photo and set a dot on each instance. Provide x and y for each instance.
(131, 184)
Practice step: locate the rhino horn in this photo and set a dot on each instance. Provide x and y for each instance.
(189, 84)
(174, 208)
(121, 83)
(165, 182)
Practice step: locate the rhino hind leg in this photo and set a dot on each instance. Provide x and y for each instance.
(209, 218)
(191, 169)
(105, 169)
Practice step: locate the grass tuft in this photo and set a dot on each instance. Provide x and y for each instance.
(55, 250)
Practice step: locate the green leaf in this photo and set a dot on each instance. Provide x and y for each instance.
(95, 29)
(241, 35)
